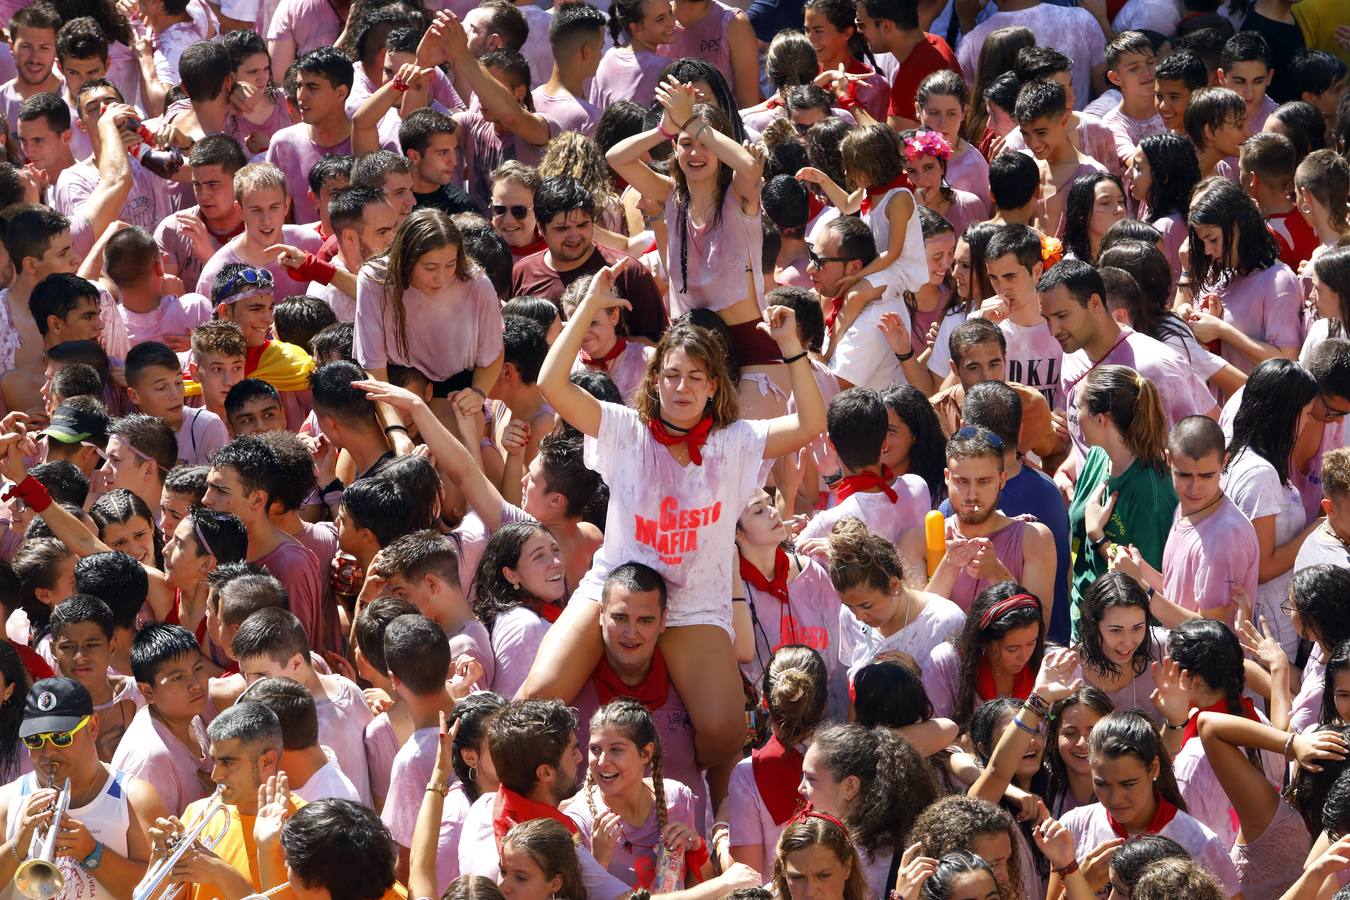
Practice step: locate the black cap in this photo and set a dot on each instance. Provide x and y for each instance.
(55, 704)
(70, 426)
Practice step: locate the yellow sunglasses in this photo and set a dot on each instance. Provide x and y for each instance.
(60, 739)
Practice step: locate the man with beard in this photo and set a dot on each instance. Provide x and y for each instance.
(566, 212)
(984, 546)
(533, 744)
(33, 41)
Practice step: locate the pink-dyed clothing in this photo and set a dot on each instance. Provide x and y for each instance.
(1007, 543)
(482, 148)
(174, 316)
(626, 73)
(877, 512)
(294, 151)
(242, 129)
(537, 50)
(1264, 305)
(1090, 136)
(328, 783)
(11, 101)
(1173, 230)
(724, 261)
(309, 23)
(859, 645)
(1205, 797)
(678, 519)
(146, 204)
(1089, 167)
(1076, 34)
(283, 284)
(706, 39)
(1090, 829)
(201, 434)
(634, 859)
(1129, 131)
(967, 171)
(150, 752)
(1269, 865)
(321, 539)
(811, 617)
(570, 112)
(516, 636)
(457, 329)
(1183, 392)
(342, 728)
(297, 569)
(626, 371)
(1203, 562)
(1035, 359)
(472, 639)
(751, 824)
(1306, 710)
(408, 779)
(966, 209)
(179, 249)
(169, 46)
(942, 678)
(381, 747)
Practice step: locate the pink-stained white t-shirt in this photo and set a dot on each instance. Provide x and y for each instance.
(1035, 359)
(723, 260)
(457, 329)
(175, 315)
(1254, 487)
(859, 645)
(309, 23)
(571, 113)
(750, 823)
(680, 520)
(297, 568)
(1205, 797)
(150, 752)
(634, 859)
(412, 770)
(482, 148)
(1129, 131)
(1090, 829)
(146, 204)
(11, 101)
(966, 209)
(876, 511)
(1202, 563)
(516, 636)
(706, 39)
(294, 151)
(329, 783)
(626, 372)
(1263, 305)
(1173, 230)
(537, 50)
(169, 46)
(472, 639)
(478, 854)
(342, 728)
(175, 245)
(382, 745)
(1090, 136)
(1269, 865)
(967, 171)
(201, 434)
(283, 284)
(1182, 391)
(1075, 33)
(626, 73)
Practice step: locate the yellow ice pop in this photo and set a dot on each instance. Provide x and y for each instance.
(934, 538)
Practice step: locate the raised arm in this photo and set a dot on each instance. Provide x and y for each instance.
(790, 433)
(427, 830)
(578, 408)
(366, 122)
(106, 200)
(498, 102)
(746, 165)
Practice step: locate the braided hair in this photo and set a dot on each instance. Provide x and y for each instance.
(631, 719)
(117, 507)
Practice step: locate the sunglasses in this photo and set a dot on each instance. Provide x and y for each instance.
(820, 261)
(969, 432)
(261, 279)
(517, 210)
(60, 739)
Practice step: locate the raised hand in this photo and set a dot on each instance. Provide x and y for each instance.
(1316, 746)
(274, 809)
(1262, 644)
(1056, 680)
(780, 323)
(1054, 840)
(678, 101)
(915, 869)
(1097, 512)
(894, 331)
(1172, 690)
(399, 398)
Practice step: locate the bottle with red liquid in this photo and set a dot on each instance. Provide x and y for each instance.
(164, 163)
(347, 579)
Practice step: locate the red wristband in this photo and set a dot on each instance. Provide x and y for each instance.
(33, 493)
(312, 269)
(1067, 870)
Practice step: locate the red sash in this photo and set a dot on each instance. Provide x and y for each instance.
(873, 195)
(778, 586)
(778, 772)
(1165, 813)
(1193, 723)
(511, 808)
(1023, 682)
(598, 362)
(864, 481)
(549, 612)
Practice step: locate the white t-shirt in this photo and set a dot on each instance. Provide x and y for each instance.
(328, 782)
(1090, 829)
(859, 644)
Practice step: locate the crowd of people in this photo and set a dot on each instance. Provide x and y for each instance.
(889, 450)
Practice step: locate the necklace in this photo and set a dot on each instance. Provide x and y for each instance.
(1215, 502)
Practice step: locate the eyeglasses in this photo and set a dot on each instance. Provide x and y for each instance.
(818, 262)
(1287, 609)
(59, 739)
(517, 210)
(261, 279)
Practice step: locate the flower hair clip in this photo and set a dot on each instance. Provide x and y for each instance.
(1052, 250)
(928, 143)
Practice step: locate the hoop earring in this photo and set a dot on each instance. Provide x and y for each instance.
(473, 773)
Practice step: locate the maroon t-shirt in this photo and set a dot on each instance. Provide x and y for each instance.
(533, 277)
(928, 56)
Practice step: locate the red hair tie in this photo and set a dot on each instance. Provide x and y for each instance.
(1016, 601)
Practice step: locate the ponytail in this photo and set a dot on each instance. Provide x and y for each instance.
(1134, 406)
(1128, 733)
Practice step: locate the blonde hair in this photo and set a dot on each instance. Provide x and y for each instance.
(707, 352)
(573, 155)
(1336, 472)
(258, 177)
(521, 174)
(859, 558)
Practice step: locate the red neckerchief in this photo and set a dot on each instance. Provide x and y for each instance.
(652, 693)
(510, 808)
(253, 356)
(875, 194)
(1193, 723)
(834, 306)
(598, 362)
(175, 617)
(549, 612)
(855, 66)
(529, 249)
(772, 103)
(1165, 813)
(1023, 682)
(778, 586)
(778, 771)
(864, 481)
(694, 438)
(814, 206)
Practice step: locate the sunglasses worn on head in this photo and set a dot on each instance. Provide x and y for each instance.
(517, 210)
(60, 739)
(257, 278)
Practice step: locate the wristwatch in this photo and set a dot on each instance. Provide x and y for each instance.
(91, 862)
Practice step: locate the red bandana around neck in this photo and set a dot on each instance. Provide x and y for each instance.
(529, 249)
(1023, 682)
(814, 206)
(775, 587)
(549, 612)
(834, 306)
(1165, 813)
(864, 481)
(778, 771)
(598, 362)
(873, 195)
(1193, 723)
(652, 692)
(510, 808)
(694, 438)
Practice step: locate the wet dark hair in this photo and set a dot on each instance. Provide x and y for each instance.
(972, 640)
(1267, 419)
(891, 695)
(1207, 649)
(1057, 785)
(1109, 591)
(927, 455)
(1128, 733)
(1139, 852)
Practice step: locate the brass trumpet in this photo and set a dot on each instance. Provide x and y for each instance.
(38, 877)
(155, 885)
